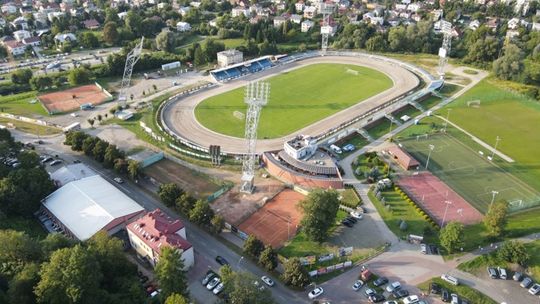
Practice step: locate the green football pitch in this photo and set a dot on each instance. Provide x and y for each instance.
(469, 172)
(298, 99)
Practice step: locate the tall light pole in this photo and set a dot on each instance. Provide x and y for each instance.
(495, 148)
(431, 147)
(239, 261)
(447, 118)
(448, 203)
(493, 194)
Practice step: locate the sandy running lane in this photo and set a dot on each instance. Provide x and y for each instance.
(179, 115)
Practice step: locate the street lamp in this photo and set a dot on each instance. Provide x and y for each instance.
(431, 147)
(448, 203)
(239, 261)
(447, 117)
(493, 194)
(495, 148)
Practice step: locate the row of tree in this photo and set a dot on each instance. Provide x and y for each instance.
(103, 152)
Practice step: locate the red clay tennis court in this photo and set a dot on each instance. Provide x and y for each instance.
(72, 99)
(276, 220)
(431, 193)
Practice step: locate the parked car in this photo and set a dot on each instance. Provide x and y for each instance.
(393, 286)
(502, 273)
(376, 298)
(218, 288)
(221, 260)
(526, 283)
(450, 279)
(535, 289)
(455, 299)
(356, 215)
(369, 292)
(493, 273)
(518, 276)
(433, 249)
(411, 299)
(423, 248)
(347, 223)
(118, 180)
(351, 219)
(213, 283)
(390, 302)
(267, 281)
(445, 295)
(380, 281)
(400, 293)
(55, 162)
(46, 160)
(435, 288)
(357, 285)
(209, 275)
(315, 293)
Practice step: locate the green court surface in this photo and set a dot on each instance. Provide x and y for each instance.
(298, 99)
(469, 172)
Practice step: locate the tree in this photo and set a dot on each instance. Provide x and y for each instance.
(71, 276)
(88, 40)
(226, 273)
(294, 274)
(21, 287)
(111, 154)
(268, 258)
(185, 203)
(170, 273)
(79, 76)
(134, 22)
(3, 52)
(253, 246)
(495, 218)
(165, 41)
(199, 58)
(201, 213)
(133, 169)
(16, 250)
(218, 223)
(451, 236)
(320, 209)
(110, 34)
(168, 193)
(91, 122)
(41, 82)
(176, 299)
(21, 76)
(99, 150)
(88, 145)
(53, 242)
(241, 290)
(376, 44)
(514, 252)
(510, 65)
(75, 140)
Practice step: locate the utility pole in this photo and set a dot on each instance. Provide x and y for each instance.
(493, 194)
(448, 203)
(447, 119)
(431, 147)
(495, 148)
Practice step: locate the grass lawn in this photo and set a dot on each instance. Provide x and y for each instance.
(450, 89)
(298, 98)
(479, 264)
(430, 102)
(464, 291)
(366, 162)
(350, 198)
(399, 210)
(30, 128)
(533, 249)
(19, 104)
(512, 117)
(406, 110)
(30, 226)
(381, 128)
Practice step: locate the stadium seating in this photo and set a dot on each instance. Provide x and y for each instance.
(249, 67)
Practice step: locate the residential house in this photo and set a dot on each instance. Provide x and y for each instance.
(183, 26)
(8, 8)
(33, 41)
(492, 23)
(15, 47)
(415, 7)
(474, 25)
(299, 6)
(296, 18)
(306, 25)
(20, 23)
(2, 22)
(53, 15)
(91, 24)
(310, 12)
(21, 34)
(184, 10)
(151, 233)
(239, 11)
(535, 26)
(279, 20)
(122, 15)
(65, 37)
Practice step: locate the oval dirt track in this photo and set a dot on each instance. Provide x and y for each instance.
(179, 115)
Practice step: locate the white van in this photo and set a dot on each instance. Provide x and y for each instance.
(336, 149)
(450, 279)
(502, 273)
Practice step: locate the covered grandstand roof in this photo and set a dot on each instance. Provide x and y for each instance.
(88, 205)
(305, 166)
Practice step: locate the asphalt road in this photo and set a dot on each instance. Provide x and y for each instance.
(206, 246)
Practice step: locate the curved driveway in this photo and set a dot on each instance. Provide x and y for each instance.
(179, 115)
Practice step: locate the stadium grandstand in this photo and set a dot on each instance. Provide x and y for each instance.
(243, 68)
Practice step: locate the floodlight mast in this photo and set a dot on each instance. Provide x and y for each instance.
(327, 9)
(131, 60)
(256, 96)
(444, 50)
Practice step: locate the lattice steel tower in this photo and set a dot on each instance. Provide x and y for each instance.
(326, 9)
(131, 60)
(256, 97)
(444, 50)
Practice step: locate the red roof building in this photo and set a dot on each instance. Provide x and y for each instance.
(403, 158)
(150, 233)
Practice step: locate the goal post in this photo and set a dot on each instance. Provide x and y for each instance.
(474, 103)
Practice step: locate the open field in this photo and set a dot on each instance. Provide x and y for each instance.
(380, 128)
(510, 116)
(196, 183)
(30, 128)
(20, 104)
(469, 173)
(298, 98)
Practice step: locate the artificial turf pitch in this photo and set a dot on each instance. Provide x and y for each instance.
(298, 98)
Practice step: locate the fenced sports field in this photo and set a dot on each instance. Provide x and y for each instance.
(469, 172)
(71, 99)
